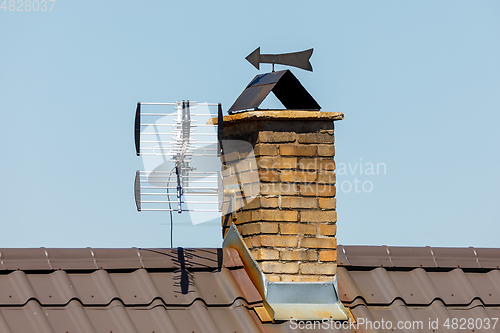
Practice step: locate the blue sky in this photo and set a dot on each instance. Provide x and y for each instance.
(418, 82)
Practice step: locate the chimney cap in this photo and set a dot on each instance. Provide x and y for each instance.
(283, 84)
(282, 115)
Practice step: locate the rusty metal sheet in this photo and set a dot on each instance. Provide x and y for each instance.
(243, 282)
(283, 84)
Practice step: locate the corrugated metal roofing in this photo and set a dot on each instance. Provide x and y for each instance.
(427, 257)
(126, 290)
(208, 290)
(421, 285)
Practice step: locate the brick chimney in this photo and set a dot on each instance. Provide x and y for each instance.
(290, 226)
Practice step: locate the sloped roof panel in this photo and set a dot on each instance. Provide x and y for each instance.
(488, 258)
(455, 287)
(208, 290)
(455, 257)
(426, 257)
(25, 259)
(401, 256)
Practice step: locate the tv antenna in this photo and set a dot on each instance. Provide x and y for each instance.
(169, 136)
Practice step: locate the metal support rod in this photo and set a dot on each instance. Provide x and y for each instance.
(158, 103)
(185, 194)
(184, 210)
(173, 114)
(179, 189)
(187, 202)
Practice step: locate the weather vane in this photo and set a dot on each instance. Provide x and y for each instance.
(295, 59)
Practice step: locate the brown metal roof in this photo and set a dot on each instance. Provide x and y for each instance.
(208, 290)
(426, 257)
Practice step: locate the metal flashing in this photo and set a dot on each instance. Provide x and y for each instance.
(283, 84)
(298, 300)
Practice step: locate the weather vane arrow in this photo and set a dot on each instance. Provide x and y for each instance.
(296, 59)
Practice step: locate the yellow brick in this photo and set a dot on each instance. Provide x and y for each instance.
(263, 149)
(326, 150)
(247, 177)
(278, 241)
(240, 166)
(252, 204)
(319, 243)
(259, 228)
(273, 278)
(278, 267)
(252, 188)
(318, 216)
(300, 278)
(253, 242)
(299, 255)
(230, 157)
(299, 202)
(298, 228)
(270, 136)
(243, 217)
(328, 177)
(316, 138)
(327, 203)
(328, 229)
(319, 269)
(319, 164)
(274, 215)
(276, 162)
(248, 242)
(265, 254)
(298, 176)
(325, 278)
(269, 202)
(318, 190)
(268, 175)
(279, 189)
(328, 255)
(297, 150)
